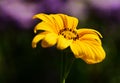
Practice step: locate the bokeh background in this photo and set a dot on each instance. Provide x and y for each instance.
(20, 63)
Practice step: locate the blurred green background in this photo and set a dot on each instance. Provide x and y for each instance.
(20, 63)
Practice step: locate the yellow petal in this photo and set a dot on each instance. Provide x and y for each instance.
(72, 22)
(69, 22)
(91, 37)
(44, 17)
(75, 48)
(49, 40)
(58, 21)
(64, 20)
(48, 19)
(63, 43)
(37, 38)
(78, 49)
(92, 53)
(87, 51)
(99, 54)
(81, 32)
(44, 26)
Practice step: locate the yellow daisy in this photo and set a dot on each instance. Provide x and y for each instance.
(60, 30)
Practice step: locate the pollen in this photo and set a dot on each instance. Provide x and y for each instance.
(69, 33)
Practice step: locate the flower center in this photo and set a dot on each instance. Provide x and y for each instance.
(69, 34)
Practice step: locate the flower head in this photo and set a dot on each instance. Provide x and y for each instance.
(60, 30)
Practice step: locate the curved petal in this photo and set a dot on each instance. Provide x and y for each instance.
(58, 21)
(64, 20)
(91, 53)
(63, 43)
(37, 38)
(98, 55)
(49, 40)
(44, 26)
(72, 22)
(69, 22)
(79, 49)
(98, 51)
(75, 48)
(81, 32)
(44, 17)
(48, 19)
(88, 51)
(91, 37)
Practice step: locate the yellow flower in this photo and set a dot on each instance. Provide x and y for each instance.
(60, 30)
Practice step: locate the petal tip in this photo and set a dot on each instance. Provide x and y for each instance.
(34, 17)
(35, 31)
(34, 45)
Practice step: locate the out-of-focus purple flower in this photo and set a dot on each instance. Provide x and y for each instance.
(108, 10)
(19, 11)
(77, 8)
(105, 4)
(22, 11)
(52, 6)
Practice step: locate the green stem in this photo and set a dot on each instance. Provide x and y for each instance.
(63, 81)
(66, 64)
(61, 73)
(68, 67)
